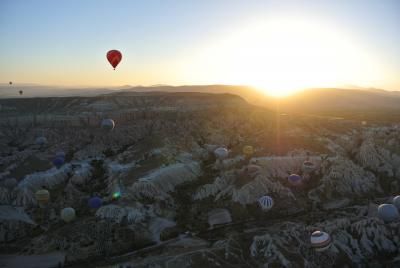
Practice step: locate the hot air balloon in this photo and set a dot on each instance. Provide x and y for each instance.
(41, 141)
(308, 166)
(58, 162)
(68, 214)
(221, 153)
(95, 202)
(388, 212)
(248, 150)
(20, 92)
(114, 57)
(396, 202)
(295, 179)
(266, 202)
(320, 241)
(60, 154)
(10, 83)
(42, 197)
(107, 124)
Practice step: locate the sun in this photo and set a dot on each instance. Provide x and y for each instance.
(281, 56)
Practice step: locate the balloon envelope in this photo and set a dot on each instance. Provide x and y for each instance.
(396, 202)
(58, 162)
(68, 214)
(60, 154)
(114, 57)
(266, 202)
(248, 150)
(295, 179)
(221, 153)
(107, 124)
(21, 92)
(42, 196)
(95, 202)
(320, 241)
(388, 212)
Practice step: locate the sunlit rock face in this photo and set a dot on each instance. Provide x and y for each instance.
(160, 182)
(377, 158)
(345, 179)
(117, 214)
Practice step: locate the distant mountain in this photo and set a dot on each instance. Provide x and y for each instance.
(335, 99)
(310, 100)
(35, 90)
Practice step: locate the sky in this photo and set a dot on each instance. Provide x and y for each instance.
(278, 46)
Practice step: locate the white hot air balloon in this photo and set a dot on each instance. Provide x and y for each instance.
(107, 124)
(68, 214)
(266, 202)
(320, 241)
(396, 202)
(221, 153)
(388, 212)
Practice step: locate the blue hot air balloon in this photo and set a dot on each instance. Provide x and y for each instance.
(388, 212)
(58, 162)
(266, 202)
(295, 179)
(95, 202)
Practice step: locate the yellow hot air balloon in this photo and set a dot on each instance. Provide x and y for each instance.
(68, 214)
(42, 197)
(248, 150)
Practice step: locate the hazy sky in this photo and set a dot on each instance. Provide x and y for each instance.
(201, 42)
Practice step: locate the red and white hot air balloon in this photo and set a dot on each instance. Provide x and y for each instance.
(114, 57)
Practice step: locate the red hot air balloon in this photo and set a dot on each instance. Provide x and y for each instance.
(114, 57)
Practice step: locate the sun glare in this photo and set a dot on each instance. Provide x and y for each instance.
(282, 56)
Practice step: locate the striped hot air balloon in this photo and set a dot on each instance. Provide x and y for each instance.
(42, 197)
(266, 202)
(320, 241)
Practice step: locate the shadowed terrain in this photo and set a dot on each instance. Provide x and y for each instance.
(174, 190)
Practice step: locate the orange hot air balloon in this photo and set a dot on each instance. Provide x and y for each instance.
(114, 57)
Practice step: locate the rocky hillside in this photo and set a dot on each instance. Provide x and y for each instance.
(168, 201)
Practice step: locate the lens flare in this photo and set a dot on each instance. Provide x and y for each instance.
(116, 195)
